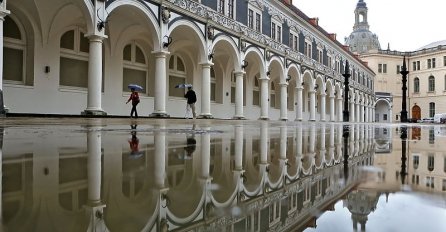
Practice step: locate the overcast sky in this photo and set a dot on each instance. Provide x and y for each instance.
(406, 24)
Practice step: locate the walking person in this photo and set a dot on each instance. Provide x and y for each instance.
(191, 99)
(134, 97)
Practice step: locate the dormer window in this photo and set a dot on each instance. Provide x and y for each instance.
(254, 18)
(276, 31)
(226, 7)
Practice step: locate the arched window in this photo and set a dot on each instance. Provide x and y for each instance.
(272, 99)
(416, 85)
(74, 49)
(233, 88)
(177, 75)
(430, 163)
(431, 109)
(135, 68)
(431, 84)
(14, 53)
(213, 85)
(256, 92)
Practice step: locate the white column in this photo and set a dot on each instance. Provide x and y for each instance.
(239, 95)
(340, 116)
(358, 112)
(160, 89)
(323, 106)
(283, 102)
(206, 91)
(299, 103)
(264, 98)
(332, 108)
(366, 113)
(283, 141)
(312, 105)
(352, 111)
(95, 76)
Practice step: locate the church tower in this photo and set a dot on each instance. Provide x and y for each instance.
(362, 40)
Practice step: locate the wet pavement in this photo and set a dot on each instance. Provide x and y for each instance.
(119, 174)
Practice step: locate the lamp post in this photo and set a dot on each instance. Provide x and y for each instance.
(404, 72)
(346, 75)
(403, 137)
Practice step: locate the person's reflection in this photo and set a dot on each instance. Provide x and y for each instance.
(134, 143)
(191, 144)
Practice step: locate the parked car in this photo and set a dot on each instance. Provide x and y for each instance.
(427, 120)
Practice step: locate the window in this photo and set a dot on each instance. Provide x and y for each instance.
(444, 185)
(226, 7)
(329, 60)
(74, 49)
(308, 49)
(385, 117)
(416, 85)
(382, 68)
(177, 75)
(444, 60)
(414, 66)
(416, 162)
(433, 62)
(444, 165)
(320, 56)
(398, 69)
(431, 136)
(272, 99)
(233, 87)
(213, 85)
(135, 68)
(254, 19)
(294, 41)
(14, 53)
(276, 31)
(429, 64)
(418, 65)
(431, 84)
(431, 109)
(430, 163)
(256, 92)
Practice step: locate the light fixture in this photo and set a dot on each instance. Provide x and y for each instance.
(268, 72)
(167, 42)
(101, 22)
(245, 64)
(288, 78)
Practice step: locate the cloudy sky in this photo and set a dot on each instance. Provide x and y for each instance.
(406, 24)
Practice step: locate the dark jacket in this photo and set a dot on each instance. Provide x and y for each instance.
(191, 97)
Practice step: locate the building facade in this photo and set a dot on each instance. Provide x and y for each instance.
(257, 59)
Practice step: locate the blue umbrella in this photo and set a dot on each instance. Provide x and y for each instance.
(135, 86)
(183, 86)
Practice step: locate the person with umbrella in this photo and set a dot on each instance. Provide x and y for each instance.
(191, 99)
(134, 97)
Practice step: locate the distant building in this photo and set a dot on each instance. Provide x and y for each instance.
(426, 80)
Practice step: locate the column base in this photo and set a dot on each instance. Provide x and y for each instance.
(159, 115)
(93, 113)
(284, 119)
(205, 116)
(238, 118)
(264, 118)
(312, 120)
(299, 119)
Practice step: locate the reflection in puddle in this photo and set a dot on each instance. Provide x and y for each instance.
(251, 176)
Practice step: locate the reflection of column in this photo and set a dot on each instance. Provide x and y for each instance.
(239, 95)
(95, 76)
(94, 207)
(322, 142)
(206, 91)
(264, 143)
(205, 153)
(283, 102)
(312, 139)
(299, 103)
(160, 157)
(264, 97)
(312, 105)
(299, 141)
(283, 141)
(332, 108)
(160, 85)
(238, 147)
(323, 104)
(1, 174)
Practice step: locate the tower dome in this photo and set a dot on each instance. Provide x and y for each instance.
(362, 40)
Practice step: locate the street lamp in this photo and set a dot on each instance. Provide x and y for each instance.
(404, 72)
(346, 75)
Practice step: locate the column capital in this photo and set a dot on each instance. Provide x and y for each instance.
(239, 73)
(206, 64)
(299, 87)
(3, 12)
(96, 37)
(160, 53)
(283, 84)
